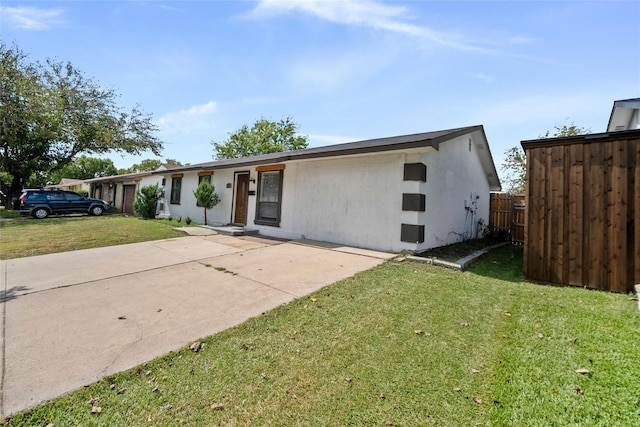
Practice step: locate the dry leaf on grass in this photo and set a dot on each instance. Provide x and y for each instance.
(196, 346)
(582, 371)
(217, 406)
(96, 410)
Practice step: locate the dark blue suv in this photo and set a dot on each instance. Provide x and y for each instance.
(42, 203)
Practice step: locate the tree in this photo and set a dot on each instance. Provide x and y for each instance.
(50, 113)
(147, 200)
(145, 165)
(515, 162)
(206, 197)
(514, 167)
(85, 167)
(148, 165)
(264, 137)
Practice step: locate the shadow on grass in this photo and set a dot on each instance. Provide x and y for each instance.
(504, 263)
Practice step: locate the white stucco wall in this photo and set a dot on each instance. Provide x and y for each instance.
(187, 208)
(357, 200)
(454, 175)
(354, 201)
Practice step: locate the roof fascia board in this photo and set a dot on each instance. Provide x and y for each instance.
(581, 139)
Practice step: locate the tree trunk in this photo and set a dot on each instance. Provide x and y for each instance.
(205, 216)
(14, 192)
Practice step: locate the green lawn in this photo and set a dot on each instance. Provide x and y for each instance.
(403, 344)
(28, 237)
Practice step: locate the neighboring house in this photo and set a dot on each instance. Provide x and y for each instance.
(625, 115)
(71, 185)
(582, 205)
(403, 193)
(120, 190)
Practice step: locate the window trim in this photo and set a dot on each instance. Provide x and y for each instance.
(172, 200)
(257, 219)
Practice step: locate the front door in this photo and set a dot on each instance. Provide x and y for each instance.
(129, 198)
(242, 199)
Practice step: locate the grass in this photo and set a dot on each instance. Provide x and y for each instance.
(9, 213)
(29, 237)
(403, 344)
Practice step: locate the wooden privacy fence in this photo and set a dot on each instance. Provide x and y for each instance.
(507, 216)
(583, 205)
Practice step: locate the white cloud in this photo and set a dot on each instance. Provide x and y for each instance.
(194, 120)
(32, 18)
(376, 15)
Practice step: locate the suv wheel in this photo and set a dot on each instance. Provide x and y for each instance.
(40, 213)
(96, 210)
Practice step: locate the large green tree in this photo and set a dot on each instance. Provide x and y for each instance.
(51, 112)
(263, 137)
(514, 165)
(148, 165)
(85, 167)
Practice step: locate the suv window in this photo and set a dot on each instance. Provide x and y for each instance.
(73, 196)
(36, 195)
(54, 195)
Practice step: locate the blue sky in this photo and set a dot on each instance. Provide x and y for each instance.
(344, 70)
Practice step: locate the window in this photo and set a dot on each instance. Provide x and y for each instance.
(176, 185)
(73, 197)
(269, 198)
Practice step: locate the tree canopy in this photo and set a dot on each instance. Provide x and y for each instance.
(148, 165)
(264, 137)
(51, 112)
(515, 162)
(85, 167)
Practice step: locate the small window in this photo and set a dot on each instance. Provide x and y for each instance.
(176, 185)
(269, 198)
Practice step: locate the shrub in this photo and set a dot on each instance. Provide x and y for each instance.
(206, 197)
(188, 220)
(83, 193)
(147, 200)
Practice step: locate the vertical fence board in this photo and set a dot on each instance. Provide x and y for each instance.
(635, 267)
(618, 217)
(596, 238)
(575, 214)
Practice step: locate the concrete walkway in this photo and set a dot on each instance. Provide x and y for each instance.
(69, 319)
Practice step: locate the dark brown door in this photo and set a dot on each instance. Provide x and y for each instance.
(242, 199)
(129, 197)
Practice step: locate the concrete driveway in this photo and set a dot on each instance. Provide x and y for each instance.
(72, 318)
